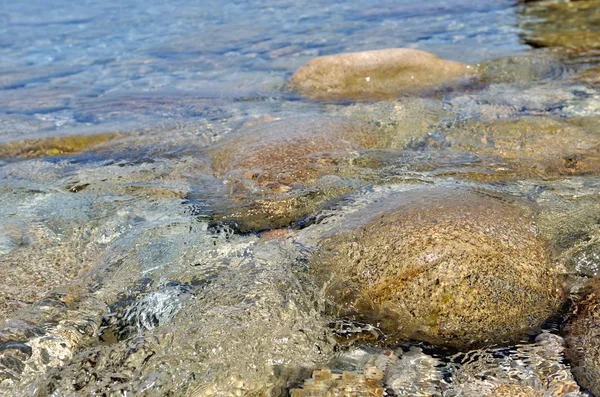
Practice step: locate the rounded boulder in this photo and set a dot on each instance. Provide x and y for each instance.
(280, 171)
(378, 74)
(448, 266)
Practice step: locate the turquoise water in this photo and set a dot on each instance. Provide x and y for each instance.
(116, 282)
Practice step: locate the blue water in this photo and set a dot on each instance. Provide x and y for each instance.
(72, 67)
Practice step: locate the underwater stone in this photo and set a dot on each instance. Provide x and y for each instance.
(448, 266)
(54, 146)
(585, 261)
(531, 146)
(324, 383)
(529, 368)
(571, 26)
(590, 75)
(514, 391)
(582, 335)
(290, 141)
(376, 74)
(277, 172)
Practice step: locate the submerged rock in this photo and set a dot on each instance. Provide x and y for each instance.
(35, 268)
(46, 337)
(526, 391)
(573, 231)
(368, 371)
(325, 383)
(448, 266)
(590, 76)
(242, 331)
(54, 146)
(582, 335)
(530, 146)
(415, 374)
(522, 70)
(283, 147)
(376, 74)
(573, 26)
(525, 370)
(280, 171)
(514, 391)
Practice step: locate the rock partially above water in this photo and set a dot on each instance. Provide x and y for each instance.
(277, 172)
(376, 74)
(447, 266)
(582, 335)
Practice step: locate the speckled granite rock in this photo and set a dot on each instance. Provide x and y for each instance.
(448, 266)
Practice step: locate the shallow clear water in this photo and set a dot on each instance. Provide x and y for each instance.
(116, 282)
(123, 65)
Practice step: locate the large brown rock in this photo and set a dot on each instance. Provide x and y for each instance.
(376, 74)
(582, 335)
(276, 172)
(448, 266)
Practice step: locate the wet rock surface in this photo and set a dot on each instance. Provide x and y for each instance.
(376, 74)
(283, 170)
(529, 369)
(590, 76)
(531, 146)
(324, 383)
(54, 146)
(46, 336)
(56, 265)
(573, 26)
(447, 266)
(574, 236)
(372, 371)
(582, 334)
